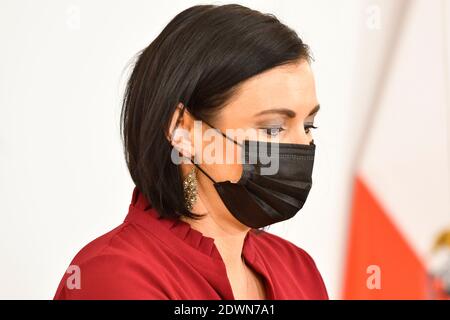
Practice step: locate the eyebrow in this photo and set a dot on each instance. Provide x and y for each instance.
(287, 112)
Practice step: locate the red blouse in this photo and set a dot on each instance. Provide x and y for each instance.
(147, 257)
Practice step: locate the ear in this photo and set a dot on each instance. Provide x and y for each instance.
(180, 131)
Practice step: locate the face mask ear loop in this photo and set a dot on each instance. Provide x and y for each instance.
(203, 171)
(198, 167)
(176, 126)
(223, 134)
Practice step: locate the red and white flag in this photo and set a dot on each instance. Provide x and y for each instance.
(399, 234)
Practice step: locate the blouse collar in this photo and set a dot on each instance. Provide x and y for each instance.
(141, 212)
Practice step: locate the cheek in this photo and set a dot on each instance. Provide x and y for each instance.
(224, 172)
(231, 168)
(224, 164)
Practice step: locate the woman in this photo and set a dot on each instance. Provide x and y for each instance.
(217, 78)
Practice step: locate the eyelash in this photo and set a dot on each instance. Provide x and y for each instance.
(278, 130)
(269, 131)
(308, 127)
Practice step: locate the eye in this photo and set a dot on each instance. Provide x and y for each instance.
(308, 127)
(273, 131)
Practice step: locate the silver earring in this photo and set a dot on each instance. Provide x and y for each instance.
(190, 189)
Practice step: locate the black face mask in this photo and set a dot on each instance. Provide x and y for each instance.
(259, 199)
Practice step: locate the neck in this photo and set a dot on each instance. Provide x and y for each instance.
(229, 240)
(228, 234)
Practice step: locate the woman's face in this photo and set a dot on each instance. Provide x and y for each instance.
(279, 105)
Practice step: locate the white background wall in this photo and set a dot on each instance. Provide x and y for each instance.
(63, 179)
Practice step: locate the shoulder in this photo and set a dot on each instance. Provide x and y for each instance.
(109, 267)
(291, 259)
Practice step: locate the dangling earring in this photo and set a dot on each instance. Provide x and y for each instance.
(190, 189)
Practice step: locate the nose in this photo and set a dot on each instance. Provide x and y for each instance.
(299, 136)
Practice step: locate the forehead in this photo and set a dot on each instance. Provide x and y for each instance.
(288, 86)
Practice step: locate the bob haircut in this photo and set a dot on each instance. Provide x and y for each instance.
(199, 59)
